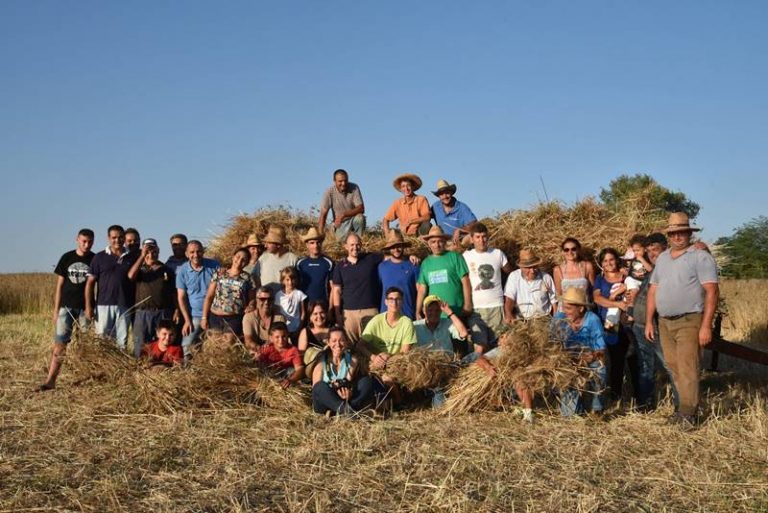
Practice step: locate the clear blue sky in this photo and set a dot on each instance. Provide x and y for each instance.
(172, 116)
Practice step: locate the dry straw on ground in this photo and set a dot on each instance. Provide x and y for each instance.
(420, 370)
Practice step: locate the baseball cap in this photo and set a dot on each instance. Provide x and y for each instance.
(149, 242)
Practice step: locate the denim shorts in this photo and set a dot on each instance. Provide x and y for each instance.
(68, 317)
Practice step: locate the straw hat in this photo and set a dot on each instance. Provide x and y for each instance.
(253, 240)
(435, 231)
(310, 360)
(312, 234)
(276, 235)
(415, 180)
(528, 258)
(575, 296)
(395, 238)
(443, 185)
(678, 222)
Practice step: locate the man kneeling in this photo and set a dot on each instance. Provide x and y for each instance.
(161, 353)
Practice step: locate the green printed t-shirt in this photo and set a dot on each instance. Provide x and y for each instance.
(383, 338)
(442, 275)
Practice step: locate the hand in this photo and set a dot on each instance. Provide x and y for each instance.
(621, 305)
(587, 357)
(204, 323)
(144, 251)
(509, 321)
(650, 336)
(344, 393)
(337, 222)
(705, 335)
(378, 361)
(285, 383)
(250, 307)
(176, 317)
(414, 259)
(419, 316)
(89, 313)
(187, 328)
(445, 308)
(456, 236)
(466, 311)
(621, 289)
(55, 316)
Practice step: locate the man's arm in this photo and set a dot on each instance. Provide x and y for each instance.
(650, 311)
(467, 290)
(509, 309)
(89, 285)
(181, 296)
(134, 270)
(336, 302)
(57, 298)
(322, 220)
(711, 295)
(421, 293)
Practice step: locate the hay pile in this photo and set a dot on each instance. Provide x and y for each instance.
(216, 379)
(531, 355)
(420, 370)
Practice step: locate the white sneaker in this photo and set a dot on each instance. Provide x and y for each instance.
(528, 415)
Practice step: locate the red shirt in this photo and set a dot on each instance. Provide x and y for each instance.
(285, 359)
(173, 354)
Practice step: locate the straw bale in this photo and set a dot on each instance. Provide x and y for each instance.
(419, 369)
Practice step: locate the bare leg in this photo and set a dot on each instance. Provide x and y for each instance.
(57, 357)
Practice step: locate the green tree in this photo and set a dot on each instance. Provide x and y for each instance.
(746, 251)
(626, 187)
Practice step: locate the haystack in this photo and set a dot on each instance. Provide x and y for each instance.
(420, 370)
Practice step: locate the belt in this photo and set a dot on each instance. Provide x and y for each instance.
(676, 317)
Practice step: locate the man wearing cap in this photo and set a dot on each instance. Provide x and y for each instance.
(439, 327)
(179, 250)
(412, 210)
(450, 214)
(275, 259)
(346, 201)
(155, 294)
(444, 274)
(109, 268)
(486, 267)
(314, 269)
(398, 271)
(529, 292)
(255, 248)
(192, 281)
(684, 291)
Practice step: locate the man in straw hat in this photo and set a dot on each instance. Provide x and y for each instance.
(412, 210)
(453, 216)
(346, 201)
(398, 271)
(444, 274)
(276, 258)
(486, 267)
(684, 291)
(315, 269)
(581, 332)
(255, 248)
(529, 292)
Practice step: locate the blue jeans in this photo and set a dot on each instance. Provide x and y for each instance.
(649, 354)
(571, 402)
(325, 398)
(112, 321)
(66, 321)
(351, 224)
(193, 338)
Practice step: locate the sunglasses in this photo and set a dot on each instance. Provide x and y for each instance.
(262, 299)
(570, 250)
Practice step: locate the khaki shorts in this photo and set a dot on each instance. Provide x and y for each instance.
(484, 325)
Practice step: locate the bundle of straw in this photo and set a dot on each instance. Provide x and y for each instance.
(419, 369)
(531, 355)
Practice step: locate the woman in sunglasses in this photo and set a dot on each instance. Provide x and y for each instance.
(574, 271)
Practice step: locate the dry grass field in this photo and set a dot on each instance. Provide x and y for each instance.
(88, 447)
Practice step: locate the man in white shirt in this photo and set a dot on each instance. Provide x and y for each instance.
(529, 293)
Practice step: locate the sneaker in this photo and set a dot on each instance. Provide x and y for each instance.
(528, 415)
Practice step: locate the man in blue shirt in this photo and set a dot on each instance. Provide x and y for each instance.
(192, 280)
(453, 216)
(398, 271)
(315, 268)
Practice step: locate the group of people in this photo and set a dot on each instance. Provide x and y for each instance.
(338, 323)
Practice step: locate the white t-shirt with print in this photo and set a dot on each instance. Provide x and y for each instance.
(485, 277)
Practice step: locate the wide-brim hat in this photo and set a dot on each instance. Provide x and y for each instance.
(443, 185)
(679, 222)
(312, 234)
(575, 296)
(528, 259)
(276, 235)
(310, 360)
(253, 240)
(415, 180)
(395, 238)
(434, 232)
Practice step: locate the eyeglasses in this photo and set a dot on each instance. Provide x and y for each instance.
(570, 250)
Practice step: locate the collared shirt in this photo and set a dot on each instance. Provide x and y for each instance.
(457, 217)
(406, 210)
(438, 340)
(533, 298)
(111, 273)
(588, 336)
(359, 281)
(195, 283)
(340, 202)
(679, 281)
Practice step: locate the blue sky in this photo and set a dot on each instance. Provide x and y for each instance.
(173, 116)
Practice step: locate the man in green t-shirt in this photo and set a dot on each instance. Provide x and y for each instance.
(443, 274)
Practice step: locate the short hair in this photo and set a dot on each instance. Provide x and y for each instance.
(166, 324)
(133, 231)
(334, 329)
(637, 238)
(573, 241)
(265, 290)
(656, 238)
(390, 290)
(86, 232)
(178, 236)
(478, 228)
(340, 172)
(352, 234)
(289, 271)
(278, 326)
(196, 242)
(608, 251)
(115, 228)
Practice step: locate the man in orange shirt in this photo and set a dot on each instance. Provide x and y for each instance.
(412, 210)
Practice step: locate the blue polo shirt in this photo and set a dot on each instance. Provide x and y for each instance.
(589, 336)
(360, 284)
(314, 275)
(403, 276)
(460, 215)
(195, 283)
